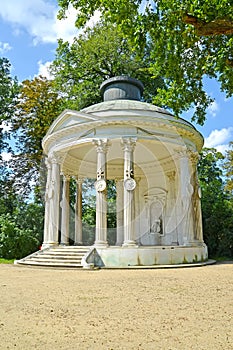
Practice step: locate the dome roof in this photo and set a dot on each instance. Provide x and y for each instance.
(134, 108)
(120, 117)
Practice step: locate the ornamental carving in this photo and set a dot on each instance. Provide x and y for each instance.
(128, 144)
(130, 184)
(102, 145)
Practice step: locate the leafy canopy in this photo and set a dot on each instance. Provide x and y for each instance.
(38, 105)
(229, 168)
(189, 39)
(217, 205)
(98, 54)
(8, 95)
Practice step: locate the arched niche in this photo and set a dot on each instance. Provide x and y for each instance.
(155, 201)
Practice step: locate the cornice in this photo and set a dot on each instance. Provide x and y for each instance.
(156, 126)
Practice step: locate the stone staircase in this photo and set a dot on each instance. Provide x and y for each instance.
(60, 256)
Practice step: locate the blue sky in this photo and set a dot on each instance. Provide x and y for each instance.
(29, 31)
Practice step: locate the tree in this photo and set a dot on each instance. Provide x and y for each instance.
(217, 209)
(37, 107)
(98, 54)
(190, 39)
(8, 94)
(229, 168)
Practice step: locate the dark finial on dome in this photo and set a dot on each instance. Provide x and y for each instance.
(122, 88)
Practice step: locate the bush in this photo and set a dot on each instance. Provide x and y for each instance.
(15, 243)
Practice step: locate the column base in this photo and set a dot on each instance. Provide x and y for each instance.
(119, 244)
(100, 244)
(64, 243)
(78, 243)
(129, 244)
(47, 245)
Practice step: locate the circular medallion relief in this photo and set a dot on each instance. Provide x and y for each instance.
(100, 185)
(130, 184)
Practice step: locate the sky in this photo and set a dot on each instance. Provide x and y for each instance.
(29, 30)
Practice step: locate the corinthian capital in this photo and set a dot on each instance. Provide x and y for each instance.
(128, 144)
(102, 145)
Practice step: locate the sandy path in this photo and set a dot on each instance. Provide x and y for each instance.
(116, 309)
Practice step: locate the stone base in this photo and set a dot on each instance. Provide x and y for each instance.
(48, 245)
(123, 257)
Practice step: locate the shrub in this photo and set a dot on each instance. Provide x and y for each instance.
(15, 243)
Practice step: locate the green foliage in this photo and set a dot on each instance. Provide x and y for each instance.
(8, 94)
(189, 39)
(38, 105)
(15, 243)
(217, 206)
(30, 217)
(228, 165)
(98, 54)
(21, 223)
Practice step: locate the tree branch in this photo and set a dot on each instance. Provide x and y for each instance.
(215, 27)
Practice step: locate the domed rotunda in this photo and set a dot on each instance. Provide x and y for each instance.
(151, 156)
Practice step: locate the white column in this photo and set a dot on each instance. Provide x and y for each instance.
(119, 211)
(46, 238)
(171, 208)
(102, 146)
(65, 213)
(185, 218)
(128, 146)
(52, 197)
(78, 212)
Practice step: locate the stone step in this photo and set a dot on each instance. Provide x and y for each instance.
(56, 260)
(49, 264)
(68, 251)
(54, 257)
(67, 256)
(54, 253)
(70, 247)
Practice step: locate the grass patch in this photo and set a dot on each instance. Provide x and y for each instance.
(6, 261)
(221, 258)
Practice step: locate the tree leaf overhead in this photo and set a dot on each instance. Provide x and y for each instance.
(189, 40)
(98, 54)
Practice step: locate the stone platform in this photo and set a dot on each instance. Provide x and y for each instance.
(125, 257)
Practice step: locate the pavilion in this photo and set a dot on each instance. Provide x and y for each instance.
(152, 157)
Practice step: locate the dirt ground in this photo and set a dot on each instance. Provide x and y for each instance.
(185, 308)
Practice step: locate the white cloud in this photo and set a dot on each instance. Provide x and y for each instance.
(213, 108)
(43, 69)
(5, 127)
(222, 148)
(39, 19)
(6, 156)
(219, 139)
(4, 47)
